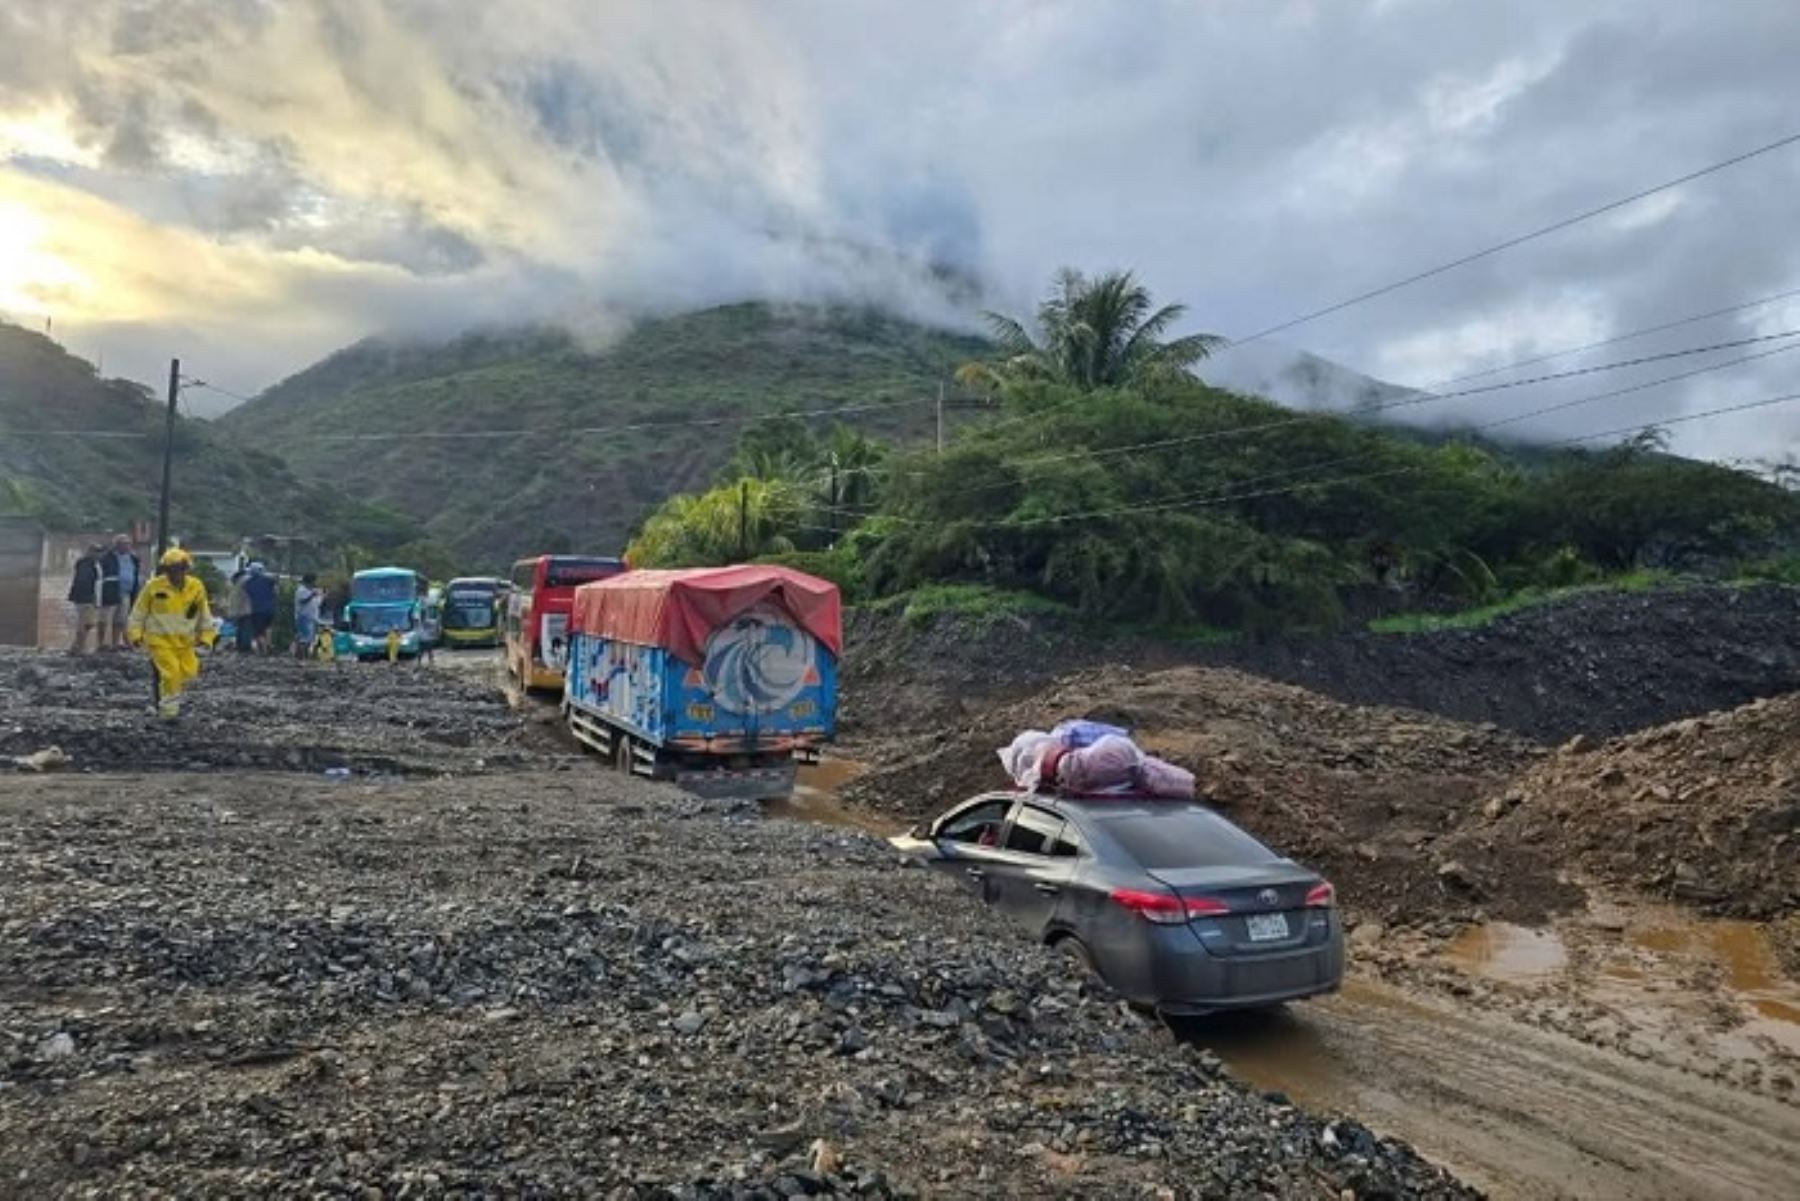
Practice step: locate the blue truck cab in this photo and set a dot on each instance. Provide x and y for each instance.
(383, 601)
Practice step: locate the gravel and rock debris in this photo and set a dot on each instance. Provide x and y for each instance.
(1600, 663)
(252, 713)
(569, 983)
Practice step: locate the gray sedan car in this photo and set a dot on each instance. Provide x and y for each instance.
(1173, 906)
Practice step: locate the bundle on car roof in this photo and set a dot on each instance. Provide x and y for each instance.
(1092, 759)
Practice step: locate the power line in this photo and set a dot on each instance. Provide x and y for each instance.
(200, 383)
(579, 431)
(1393, 471)
(729, 419)
(1628, 336)
(1424, 399)
(1519, 240)
(1312, 468)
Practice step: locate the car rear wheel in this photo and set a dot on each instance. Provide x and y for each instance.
(1075, 951)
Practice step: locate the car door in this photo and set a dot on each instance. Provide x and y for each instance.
(1034, 866)
(967, 843)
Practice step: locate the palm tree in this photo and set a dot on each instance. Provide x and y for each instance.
(1097, 333)
(852, 460)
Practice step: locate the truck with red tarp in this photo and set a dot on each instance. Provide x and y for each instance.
(719, 679)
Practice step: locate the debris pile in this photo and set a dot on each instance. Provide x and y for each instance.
(571, 983)
(1705, 810)
(1363, 794)
(261, 714)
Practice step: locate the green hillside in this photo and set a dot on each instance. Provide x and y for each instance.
(551, 488)
(55, 466)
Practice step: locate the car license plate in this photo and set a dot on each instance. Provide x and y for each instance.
(1266, 927)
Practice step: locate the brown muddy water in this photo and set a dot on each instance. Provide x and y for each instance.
(815, 799)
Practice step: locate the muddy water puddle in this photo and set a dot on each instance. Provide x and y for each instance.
(1505, 952)
(1674, 979)
(1738, 952)
(815, 799)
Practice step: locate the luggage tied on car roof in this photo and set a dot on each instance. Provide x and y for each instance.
(1091, 759)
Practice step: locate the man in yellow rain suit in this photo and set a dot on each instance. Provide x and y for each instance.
(170, 616)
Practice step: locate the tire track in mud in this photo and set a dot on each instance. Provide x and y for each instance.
(1520, 1112)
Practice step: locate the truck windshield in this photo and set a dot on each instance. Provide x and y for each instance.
(381, 620)
(381, 589)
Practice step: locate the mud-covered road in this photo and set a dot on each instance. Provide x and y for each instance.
(484, 964)
(1517, 1111)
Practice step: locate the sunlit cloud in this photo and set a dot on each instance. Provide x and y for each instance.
(254, 183)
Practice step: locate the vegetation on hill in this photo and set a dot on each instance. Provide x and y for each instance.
(556, 487)
(1167, 501)
(78, 452)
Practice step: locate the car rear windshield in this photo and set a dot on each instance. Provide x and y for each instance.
(1181, 836)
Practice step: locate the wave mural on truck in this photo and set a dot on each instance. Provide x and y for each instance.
(759, 662)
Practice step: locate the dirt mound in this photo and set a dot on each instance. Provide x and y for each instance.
(1600, 663)
(1706, 810)
(262, 714)
(1362, 793)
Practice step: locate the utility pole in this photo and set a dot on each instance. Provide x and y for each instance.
(940, 418)
(162, 505)
(833, 523)
(743, 519)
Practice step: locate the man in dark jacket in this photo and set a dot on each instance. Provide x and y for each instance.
(84, 594)
(121, 579)
(260, 590)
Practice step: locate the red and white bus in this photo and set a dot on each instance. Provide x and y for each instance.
(536, 627)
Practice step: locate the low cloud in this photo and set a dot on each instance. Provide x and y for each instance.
(252, 184)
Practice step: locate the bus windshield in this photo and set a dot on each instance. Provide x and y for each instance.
(383, 589)
(566, 571)
(381, 620)
(469, 611)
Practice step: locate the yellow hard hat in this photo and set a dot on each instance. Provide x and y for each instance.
(175, 557)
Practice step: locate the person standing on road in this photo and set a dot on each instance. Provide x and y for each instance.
(84, 594)
(308, 604)
(121, 579)
(237, 611)
(260, 591)
(170, 617)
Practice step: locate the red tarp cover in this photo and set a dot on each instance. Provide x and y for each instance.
(679, 610)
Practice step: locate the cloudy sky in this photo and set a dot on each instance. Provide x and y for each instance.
(251, 183)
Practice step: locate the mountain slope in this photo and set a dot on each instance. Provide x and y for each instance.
(54, 467)
(549, 488)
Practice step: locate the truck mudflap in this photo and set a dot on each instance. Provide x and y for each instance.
(737, 783)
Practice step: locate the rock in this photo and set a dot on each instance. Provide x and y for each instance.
(60, 1045)
(1367, 934)
(690, 1023)
(51, 758)
(1005, 1002)
(824, 1158)
(1453, 873)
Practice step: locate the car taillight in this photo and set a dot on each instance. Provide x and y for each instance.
(1321, 895)
(1167, 910)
